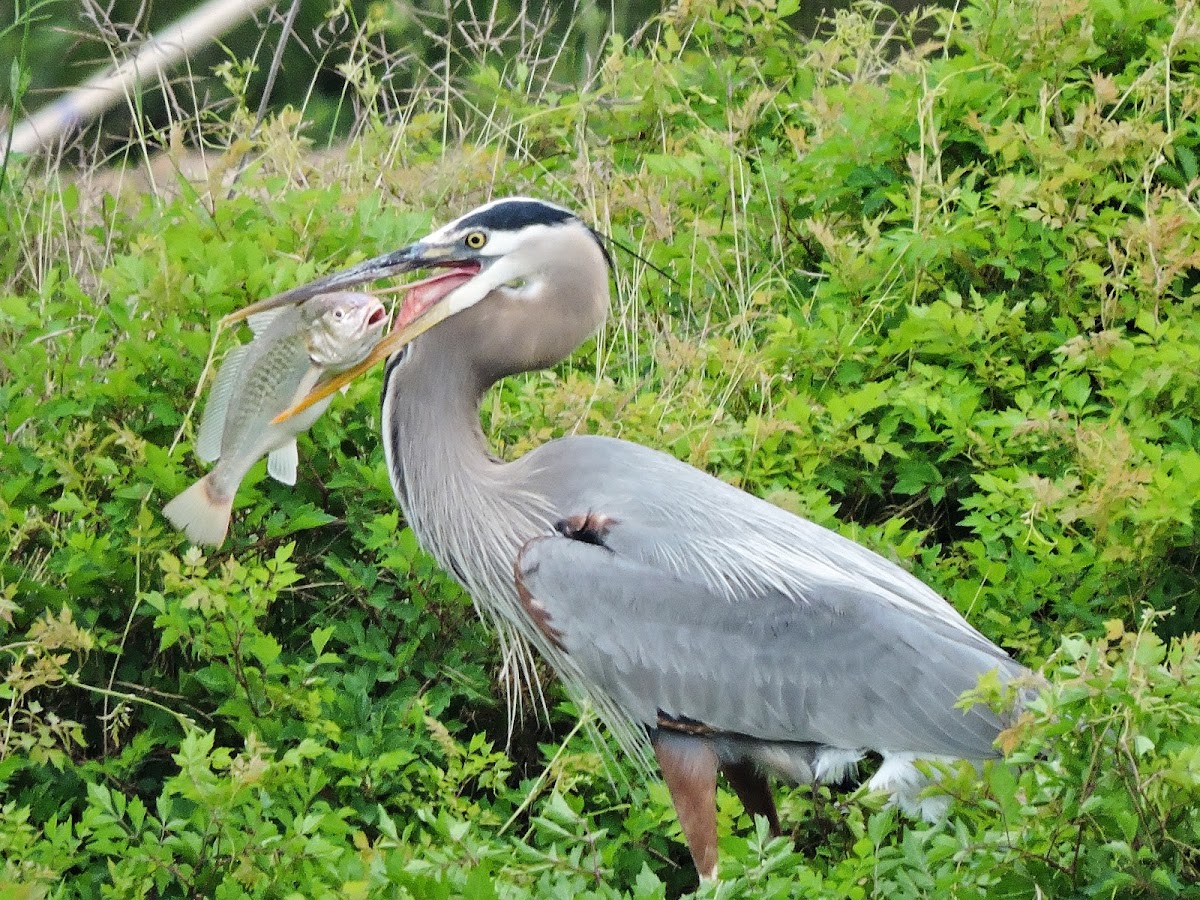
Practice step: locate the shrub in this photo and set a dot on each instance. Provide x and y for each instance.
(929, 281)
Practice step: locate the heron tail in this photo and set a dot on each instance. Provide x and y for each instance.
(200, 513)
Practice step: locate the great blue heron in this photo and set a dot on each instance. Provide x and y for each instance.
(731, 635)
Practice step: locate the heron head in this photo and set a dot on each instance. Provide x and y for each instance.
(532, 275)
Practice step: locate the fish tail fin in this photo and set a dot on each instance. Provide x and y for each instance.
(200, 514)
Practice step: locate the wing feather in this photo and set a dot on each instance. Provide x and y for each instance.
(660, 631)
(683, 520)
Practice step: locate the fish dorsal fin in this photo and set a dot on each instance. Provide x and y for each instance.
(212, 423)
(282, 462)
(260, 322)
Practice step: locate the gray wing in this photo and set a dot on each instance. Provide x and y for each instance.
(689, 598)
(832, 668)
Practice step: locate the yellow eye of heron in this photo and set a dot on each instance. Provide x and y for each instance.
(475, 240)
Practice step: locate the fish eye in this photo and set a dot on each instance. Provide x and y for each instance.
(475, 240)
(339, 314)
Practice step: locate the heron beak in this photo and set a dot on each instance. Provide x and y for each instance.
(423, 307)
(403, 260)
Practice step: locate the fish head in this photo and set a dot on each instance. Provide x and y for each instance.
(345, 326)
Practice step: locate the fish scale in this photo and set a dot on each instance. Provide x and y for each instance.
(271, 372)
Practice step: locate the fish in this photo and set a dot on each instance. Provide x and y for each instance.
(294, 347)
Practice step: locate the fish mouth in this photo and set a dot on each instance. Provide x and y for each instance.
(377, 318)
(421, 310)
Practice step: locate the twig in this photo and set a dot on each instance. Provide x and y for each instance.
(101, 91)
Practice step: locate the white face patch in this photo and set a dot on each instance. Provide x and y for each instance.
(517, 243)
(508, 259)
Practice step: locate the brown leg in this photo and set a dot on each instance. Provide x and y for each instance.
(689, 766)
(754, 791)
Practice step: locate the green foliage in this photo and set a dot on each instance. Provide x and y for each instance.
(936, 291)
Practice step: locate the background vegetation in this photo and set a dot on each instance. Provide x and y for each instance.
(322, 49)
(934, 286)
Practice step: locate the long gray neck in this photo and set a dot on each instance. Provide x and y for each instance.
(468, 509)
(431, 430)
(473, 513)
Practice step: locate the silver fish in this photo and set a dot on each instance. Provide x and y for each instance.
(293, 348)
